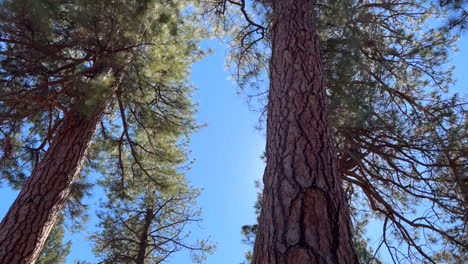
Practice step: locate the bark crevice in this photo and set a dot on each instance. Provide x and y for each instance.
(304, 217)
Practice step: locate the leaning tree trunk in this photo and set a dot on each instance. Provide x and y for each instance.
(30, 219)
(26, 226)
(305, 217)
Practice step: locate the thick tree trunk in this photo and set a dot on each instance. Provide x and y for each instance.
(305, 217)
(26, 226)
(143, 245)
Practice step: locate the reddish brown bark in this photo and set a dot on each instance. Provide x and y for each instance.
(30, 219)
(305, 218)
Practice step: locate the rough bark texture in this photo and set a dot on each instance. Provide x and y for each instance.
(30, 219)
(305, 218)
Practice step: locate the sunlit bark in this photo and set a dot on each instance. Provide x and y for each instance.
(305, 216)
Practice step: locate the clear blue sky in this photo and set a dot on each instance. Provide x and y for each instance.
(227, 154)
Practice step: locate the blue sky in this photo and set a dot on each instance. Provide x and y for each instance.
(227, 154)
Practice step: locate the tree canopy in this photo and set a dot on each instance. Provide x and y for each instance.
(144, 223)
(56, 57)
(118, 67)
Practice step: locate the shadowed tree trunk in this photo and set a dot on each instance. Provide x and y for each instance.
(26, 226)
(305, 217)
(143, 245)
(30, 219)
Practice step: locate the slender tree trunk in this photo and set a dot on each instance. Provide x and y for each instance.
(462, 182)
(305, 217)
(26, 226)
(143, 245)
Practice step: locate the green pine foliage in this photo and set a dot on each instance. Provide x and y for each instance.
(63, 58)
(66, 61)
(147, 226)
(148, 219)
(458, 10)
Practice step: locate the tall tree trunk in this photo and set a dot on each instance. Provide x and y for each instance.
(143, 245)
(26, 226)
(305, 217)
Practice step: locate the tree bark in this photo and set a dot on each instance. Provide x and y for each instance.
(305, 217)
(143, 245)
(27, 224)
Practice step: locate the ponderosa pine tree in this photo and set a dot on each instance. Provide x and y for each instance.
(304, 216)
(70, 68)
(148, 226)
(145, 223)
(400, 137)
